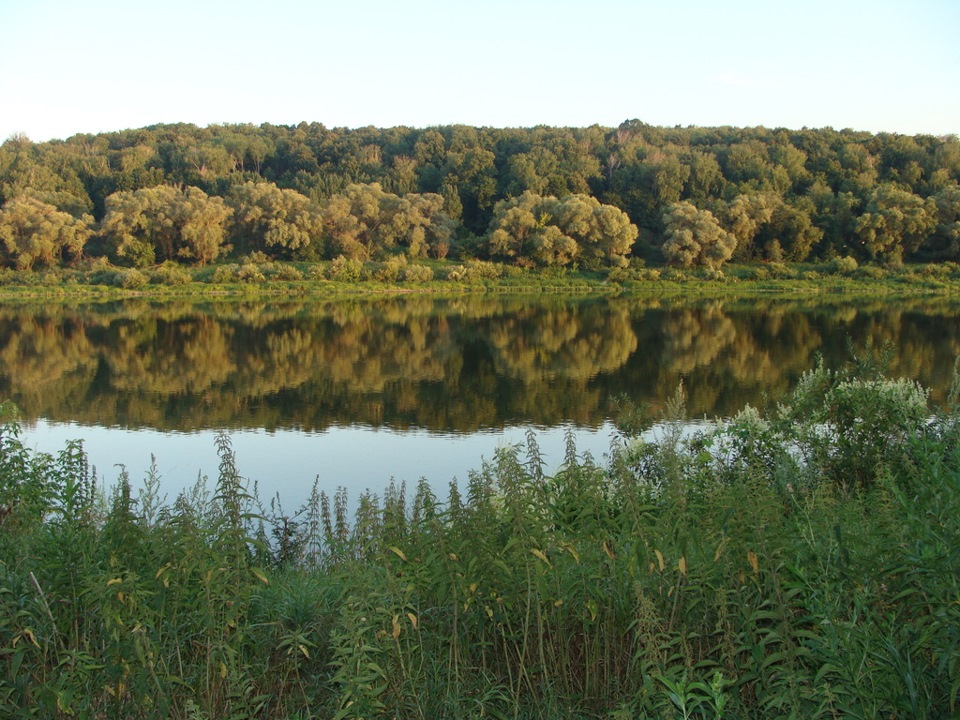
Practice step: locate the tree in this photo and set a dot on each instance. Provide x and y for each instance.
(766, 226)
(365, 222)
(894, 222)
(202, 226)
(34, 233)
(539, 230)
(166, 222)
(694, 237)
(947, 236)
(266, 218)
(603, 233)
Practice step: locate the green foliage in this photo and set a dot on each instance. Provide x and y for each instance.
(417, 273)
(167, 223)
(126, 278)
(843, 265)
(310, 193)
(800, 564)
(35, 234)
(344, 269)
(266, 217)
(365, 222)
(546, 231)
(694, 237)
(170, 274)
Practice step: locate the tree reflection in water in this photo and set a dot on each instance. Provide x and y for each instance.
(443, 368)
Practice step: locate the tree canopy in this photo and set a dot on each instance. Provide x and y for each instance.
(308, 191)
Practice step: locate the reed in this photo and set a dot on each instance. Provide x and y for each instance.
(753, 571)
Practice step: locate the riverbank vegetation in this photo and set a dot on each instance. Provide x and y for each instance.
(798, 561)
(255, 275)
(580, 198)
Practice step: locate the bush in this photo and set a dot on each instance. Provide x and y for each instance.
(781, 271)
(131, 278)
(843, 265)
(390, 271)
(250, 273)
(224, 274)
(853, 428)
(344, 269)
(483, 270)
(475, 271)
(170, 274)
(127, 278)
(417, 274)
(674, 275)
(871, 272)
(285, 272)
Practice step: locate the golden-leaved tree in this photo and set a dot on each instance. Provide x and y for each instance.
(694, 237)
(165, 223)
(35, 234)
(547, 231)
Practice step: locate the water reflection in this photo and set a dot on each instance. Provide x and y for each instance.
(444, 366)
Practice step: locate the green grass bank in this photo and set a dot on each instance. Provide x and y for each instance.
(258, 276)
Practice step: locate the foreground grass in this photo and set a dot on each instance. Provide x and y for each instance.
(799, 563)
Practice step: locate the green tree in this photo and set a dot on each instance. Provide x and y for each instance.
(202, 222)
(165, 222)
(766, 226)
(895, 222)
(281, 222)
(603, 233)
(34, 233)
(535, 230)
(365, 222)
(694, 237)
(946, 239)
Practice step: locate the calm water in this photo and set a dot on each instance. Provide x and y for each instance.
(354, 393)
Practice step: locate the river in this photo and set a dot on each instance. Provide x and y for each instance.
(354, 393)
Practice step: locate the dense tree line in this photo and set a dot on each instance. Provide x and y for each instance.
(693, 195)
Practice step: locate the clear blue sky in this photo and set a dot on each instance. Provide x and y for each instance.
(100, 65)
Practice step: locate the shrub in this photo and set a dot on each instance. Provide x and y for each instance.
(871, 272)
(390, 271)
(170, 274)
(674, 275)
(344, 269)
(852, 428)
(127, 278)
(780, 270)
(250, 273)
(224, 274)
(285, 272)
(417, 274)
(843, 265)
(475, 271)
(131, 278)
(756, 273)
(935, 270)
(484, 270)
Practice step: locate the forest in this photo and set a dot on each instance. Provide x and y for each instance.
(592, 198)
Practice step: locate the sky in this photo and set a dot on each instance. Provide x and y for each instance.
(69, 67)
